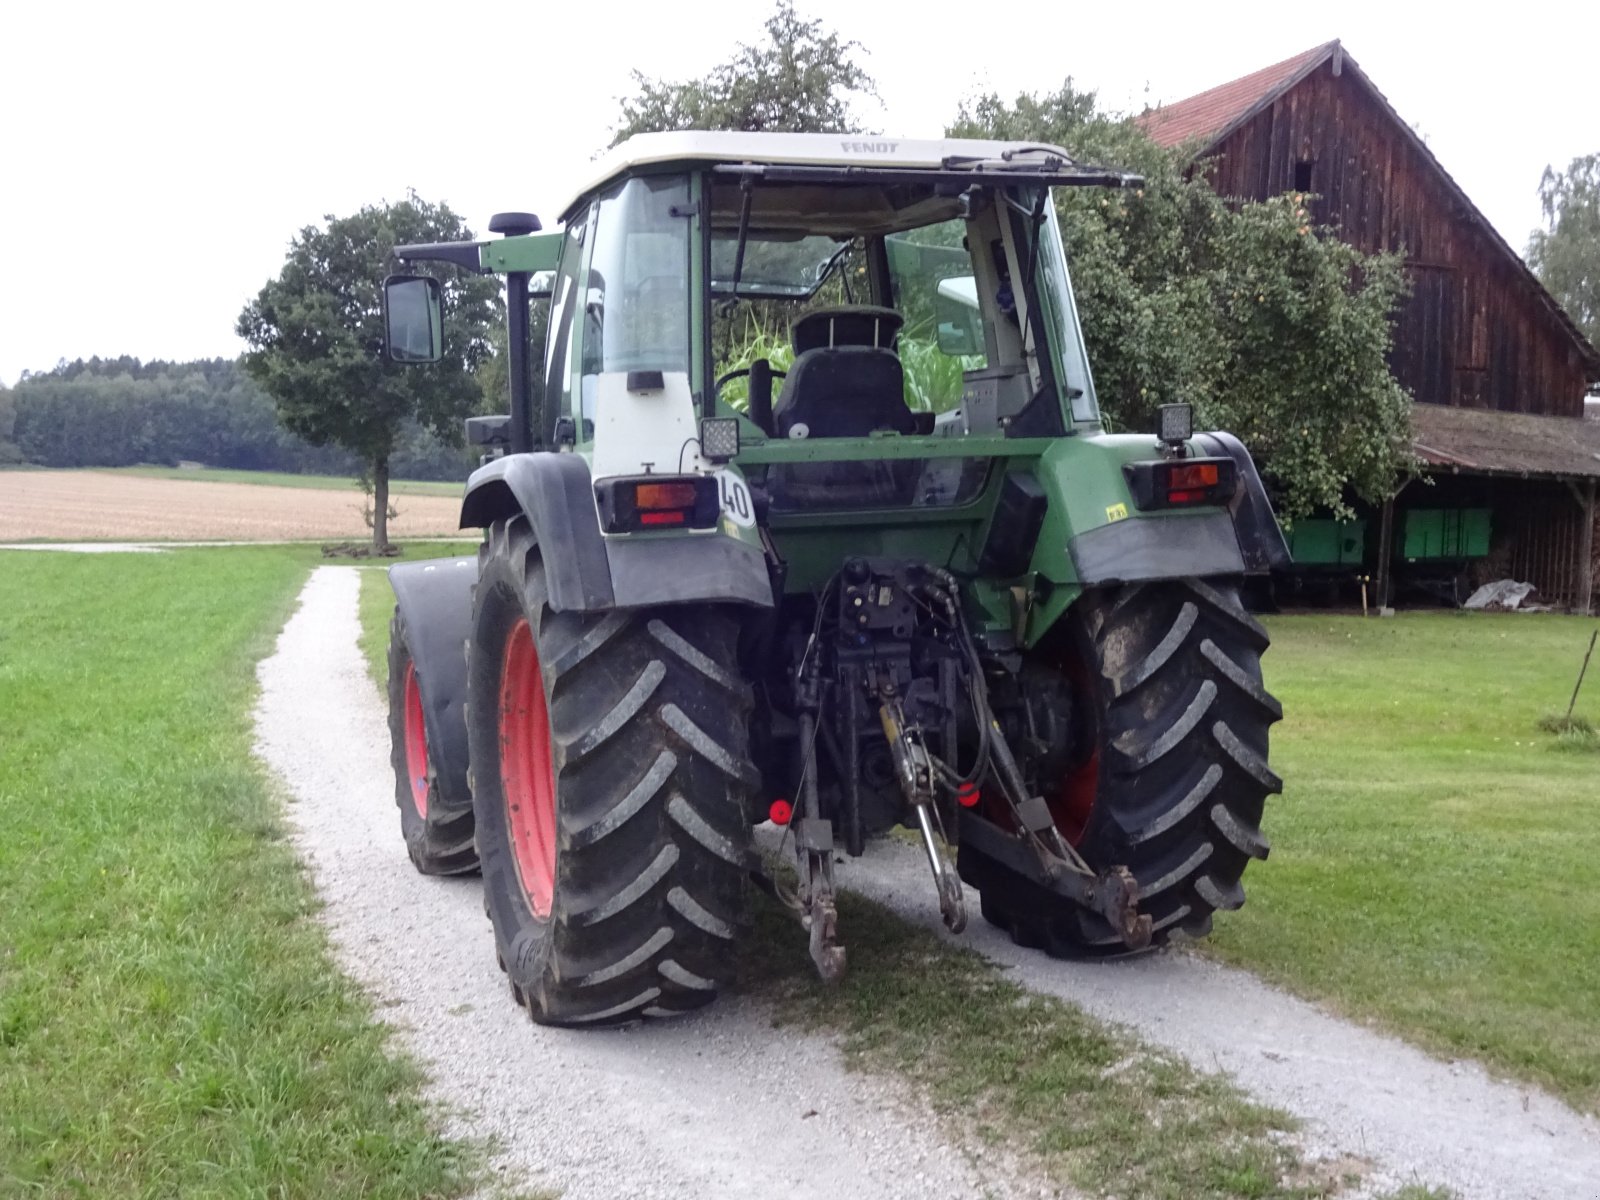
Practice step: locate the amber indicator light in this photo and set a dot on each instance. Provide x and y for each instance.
(663, 495)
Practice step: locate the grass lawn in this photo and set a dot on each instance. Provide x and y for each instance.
(170, 1021)
(1434, 863)
(397, 487)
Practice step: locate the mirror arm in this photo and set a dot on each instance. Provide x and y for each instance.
(466, 255)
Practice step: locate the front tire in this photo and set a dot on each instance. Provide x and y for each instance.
(610, 774)
(1176, 778)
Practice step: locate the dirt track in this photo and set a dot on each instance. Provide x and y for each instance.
(83, 505)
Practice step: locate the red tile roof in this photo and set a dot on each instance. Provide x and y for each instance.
(1212, 113)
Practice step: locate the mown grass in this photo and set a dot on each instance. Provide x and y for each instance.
(1433, 863)
(325, 483)
(170, 1021)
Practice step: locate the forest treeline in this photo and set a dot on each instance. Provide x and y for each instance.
(114, 412)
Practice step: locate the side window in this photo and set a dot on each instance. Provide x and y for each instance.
(636, 304)
(566, 307)
(931, 277)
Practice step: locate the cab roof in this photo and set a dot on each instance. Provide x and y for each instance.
(852, 151)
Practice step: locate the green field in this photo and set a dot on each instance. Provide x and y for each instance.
(325, 483)
(1434, 854)
(170, 1022)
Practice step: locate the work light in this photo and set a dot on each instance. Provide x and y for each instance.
(1177, 423)
(719, 438)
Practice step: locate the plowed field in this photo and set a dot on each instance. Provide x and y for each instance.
(85, 505)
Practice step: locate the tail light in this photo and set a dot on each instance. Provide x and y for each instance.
(658, 502)
(1181, 482)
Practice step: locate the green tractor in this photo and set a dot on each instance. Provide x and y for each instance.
(814, 522)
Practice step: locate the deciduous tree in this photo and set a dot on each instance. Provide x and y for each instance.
(1566, 253)
(1272, 328)
(803, 79)
(316, 339)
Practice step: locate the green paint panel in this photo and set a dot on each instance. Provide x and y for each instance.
(530, 252)
(1324, 542)
(1445, 533)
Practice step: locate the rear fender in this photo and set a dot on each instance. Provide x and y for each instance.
(1094, 535)
(435, 601)
(586, 571)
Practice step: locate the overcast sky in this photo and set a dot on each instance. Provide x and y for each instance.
(158, 156)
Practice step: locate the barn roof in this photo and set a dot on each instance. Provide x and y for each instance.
(1213, 114)
(1477, 441)
(1207, 119)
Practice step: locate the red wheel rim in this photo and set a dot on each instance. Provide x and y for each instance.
(1073, 804)
(526, 775)
(416, 743)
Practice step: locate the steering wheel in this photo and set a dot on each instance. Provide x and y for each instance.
(740, 373)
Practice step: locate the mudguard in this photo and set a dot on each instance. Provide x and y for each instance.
(1243, 539)
(435, 599)
(587, 572)
(1261, 542)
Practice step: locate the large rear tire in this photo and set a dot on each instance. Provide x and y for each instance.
(610, 773)
(1177, 777)
(437, 825)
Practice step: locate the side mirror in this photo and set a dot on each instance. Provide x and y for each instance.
(955, 305)
(413, 327)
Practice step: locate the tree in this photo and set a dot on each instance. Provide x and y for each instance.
(316, 340)
(1271, 327)
(800, 81)
(1566, 255)
(9, 453)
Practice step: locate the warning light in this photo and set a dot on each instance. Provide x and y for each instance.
(779, 812)
(968, 794)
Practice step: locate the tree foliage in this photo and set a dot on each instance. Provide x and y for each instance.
(1272, 328)
(116, 412)
(802, 80)
(1566, 254)
(316, 339)
(10, 453)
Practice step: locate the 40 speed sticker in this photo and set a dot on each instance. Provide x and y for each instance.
(736, 503)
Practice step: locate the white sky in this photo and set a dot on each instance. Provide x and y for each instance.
(157, 157)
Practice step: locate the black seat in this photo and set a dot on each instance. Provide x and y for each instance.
(845, 381)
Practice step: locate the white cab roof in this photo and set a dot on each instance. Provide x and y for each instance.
(801, 149)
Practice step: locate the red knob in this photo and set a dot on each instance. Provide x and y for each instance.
(780, 811)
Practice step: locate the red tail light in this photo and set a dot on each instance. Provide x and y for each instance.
(653, 502)
(1178, 483)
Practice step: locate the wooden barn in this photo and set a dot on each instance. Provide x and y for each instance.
(1498, 370)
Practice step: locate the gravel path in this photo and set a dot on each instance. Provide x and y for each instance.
(1419, 1120)
(706, 1108)
(720, 1106)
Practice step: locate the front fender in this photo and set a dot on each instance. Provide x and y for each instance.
(435, 601)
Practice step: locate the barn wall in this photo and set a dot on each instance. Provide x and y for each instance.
(1474, 332)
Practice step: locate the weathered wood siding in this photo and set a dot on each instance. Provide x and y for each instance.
(1475, 332)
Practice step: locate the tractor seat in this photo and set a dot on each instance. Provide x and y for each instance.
(845, 381)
